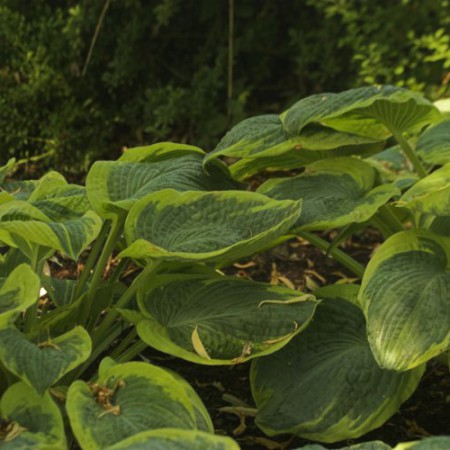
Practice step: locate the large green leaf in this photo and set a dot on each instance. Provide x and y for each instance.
(159, 152)
(373, 445)
(113, 187)
(431, 194)
(30, 421)
(221, 320)
(405, 294)
(17, 292)
(260, 143)
(335, 192)
(128, 399)
(41, 365)
(174, 439)
(205, 226)
(433, 443)
(4, 170)
(374, 112)
(24, 226)
(325, 384)
(433, 145)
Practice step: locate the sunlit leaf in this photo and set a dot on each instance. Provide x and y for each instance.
(405, 294)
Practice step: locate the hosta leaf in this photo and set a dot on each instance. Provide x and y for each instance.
(126, 400)
(174, 439)
(159, 152)
(113, 187)
(374, 111)
(432, 443)
(205, 226)
(222, 320)
(260, 143)
(405, 294)
(60, 291)
(335, 193)
(19, 189)
(433, 145)
(35, 421)
(431, 194)
(24, 226)
(373, 445)
(41, 365)
(17, 292)
(325, 384)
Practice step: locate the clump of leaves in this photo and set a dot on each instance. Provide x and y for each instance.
(327, 366)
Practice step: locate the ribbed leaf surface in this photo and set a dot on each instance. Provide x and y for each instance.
(113, 187)
(126, 400)
(233, 320)
(205, 226)
(405, 294)
(334, 193)
(433, 145)
(430, 194)
(174, 439)
(325, 384)
(17, 292)
(41, 365)
(37, 418)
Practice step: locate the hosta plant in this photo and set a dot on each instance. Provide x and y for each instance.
(326, 365)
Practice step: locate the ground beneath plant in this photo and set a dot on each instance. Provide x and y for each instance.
(298, 265)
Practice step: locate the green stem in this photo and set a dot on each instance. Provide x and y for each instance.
(346, 260)
(119, 270)
(132, 352)
(114, 333)
(410, 154)
(123, 301)
(86, 306)
(391, 218)
(93, 255)
(381, 226)
(131, 336)
(31, 313)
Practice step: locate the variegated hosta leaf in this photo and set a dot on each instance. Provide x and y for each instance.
(205, 226)
(159, 152)
(260, 143)
(433, 145)
(113, 187)
(30, 421)
(17, 292)
(60, 291)
(222, 320)
(431, 194)
(41, 365)
(393, 167)
(373, 445)
(405, 295)
(128, 399)
(174, 439)
(374, 111)
(24, 226)
(335, 192)
(432, 443)
(325, 384)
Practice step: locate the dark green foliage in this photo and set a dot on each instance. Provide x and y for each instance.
(159, 67)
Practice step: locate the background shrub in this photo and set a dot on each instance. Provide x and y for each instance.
(158, 69)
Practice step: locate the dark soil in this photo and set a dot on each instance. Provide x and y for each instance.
(297, 264)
